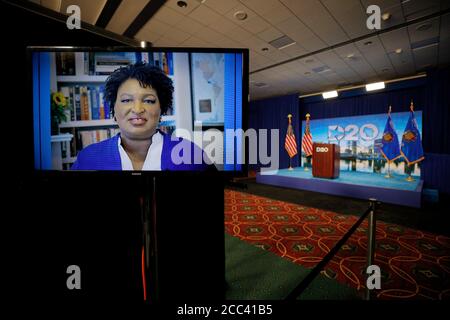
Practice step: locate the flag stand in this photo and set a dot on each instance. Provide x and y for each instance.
(409, 178)
(306, 164)
(388, 174)
(290, 166)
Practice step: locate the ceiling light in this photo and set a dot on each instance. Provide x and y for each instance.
(309, 60)
(182, 4)
(329, 94)
(240, 15)
(386, 16)
(265, 49)
(143, 44)
(424, 26)
(375, 86)
(398, 51)
(368, 43)
(307, 73)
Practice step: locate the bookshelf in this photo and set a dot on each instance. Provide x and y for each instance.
(81, 78)
(87, 123)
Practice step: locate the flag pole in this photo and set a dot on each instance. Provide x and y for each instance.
(307, 158)
(409, 178)
(290, 158)
(389, 175)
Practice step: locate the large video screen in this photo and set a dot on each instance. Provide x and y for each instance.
(142, 110)
(360, 140)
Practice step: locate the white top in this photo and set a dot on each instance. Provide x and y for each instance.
(152, 160)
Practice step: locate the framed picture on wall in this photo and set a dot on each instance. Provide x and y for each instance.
(208, 74)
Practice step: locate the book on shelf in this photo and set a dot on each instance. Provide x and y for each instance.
(65, 63)
(86, 102)
(104, 63)
(88, 137)
(68, 111)
(170, 63)
(165, 66)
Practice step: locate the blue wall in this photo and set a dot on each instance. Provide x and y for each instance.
(272, 114)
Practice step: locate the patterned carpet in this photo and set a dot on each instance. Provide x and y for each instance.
(414, 264)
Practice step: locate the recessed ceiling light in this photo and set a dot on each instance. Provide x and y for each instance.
(309, 60)
(265, 49)
(182, 4)
(307, 73)
(385, 70)
(350, 55)
(398, 51)
(240, 15)
(368, 43)
(424, 26)
(386, 16)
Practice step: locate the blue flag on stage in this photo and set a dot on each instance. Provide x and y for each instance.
(390, 147)
(411, 147)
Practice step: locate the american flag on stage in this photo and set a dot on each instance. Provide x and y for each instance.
(307, 143)
(289, 143)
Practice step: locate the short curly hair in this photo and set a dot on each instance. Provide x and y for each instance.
(147, 75)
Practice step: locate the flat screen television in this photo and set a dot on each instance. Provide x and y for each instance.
(99, 109)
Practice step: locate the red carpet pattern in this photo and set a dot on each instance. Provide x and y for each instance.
(414, 264)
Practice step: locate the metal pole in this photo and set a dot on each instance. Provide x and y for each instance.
(371, 234)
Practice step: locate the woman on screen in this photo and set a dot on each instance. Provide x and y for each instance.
(138, 95)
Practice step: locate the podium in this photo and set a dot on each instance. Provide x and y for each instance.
(326, 159)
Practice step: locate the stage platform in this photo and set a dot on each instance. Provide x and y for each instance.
(352, 184)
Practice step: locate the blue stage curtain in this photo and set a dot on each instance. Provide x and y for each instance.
(272, 114)
(436, 119)
(436, 172)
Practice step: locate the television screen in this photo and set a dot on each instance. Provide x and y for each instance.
(138, 109)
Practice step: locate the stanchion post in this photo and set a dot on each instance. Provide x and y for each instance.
(371, 234)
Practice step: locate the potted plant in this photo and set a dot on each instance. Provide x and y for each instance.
(58, 111)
